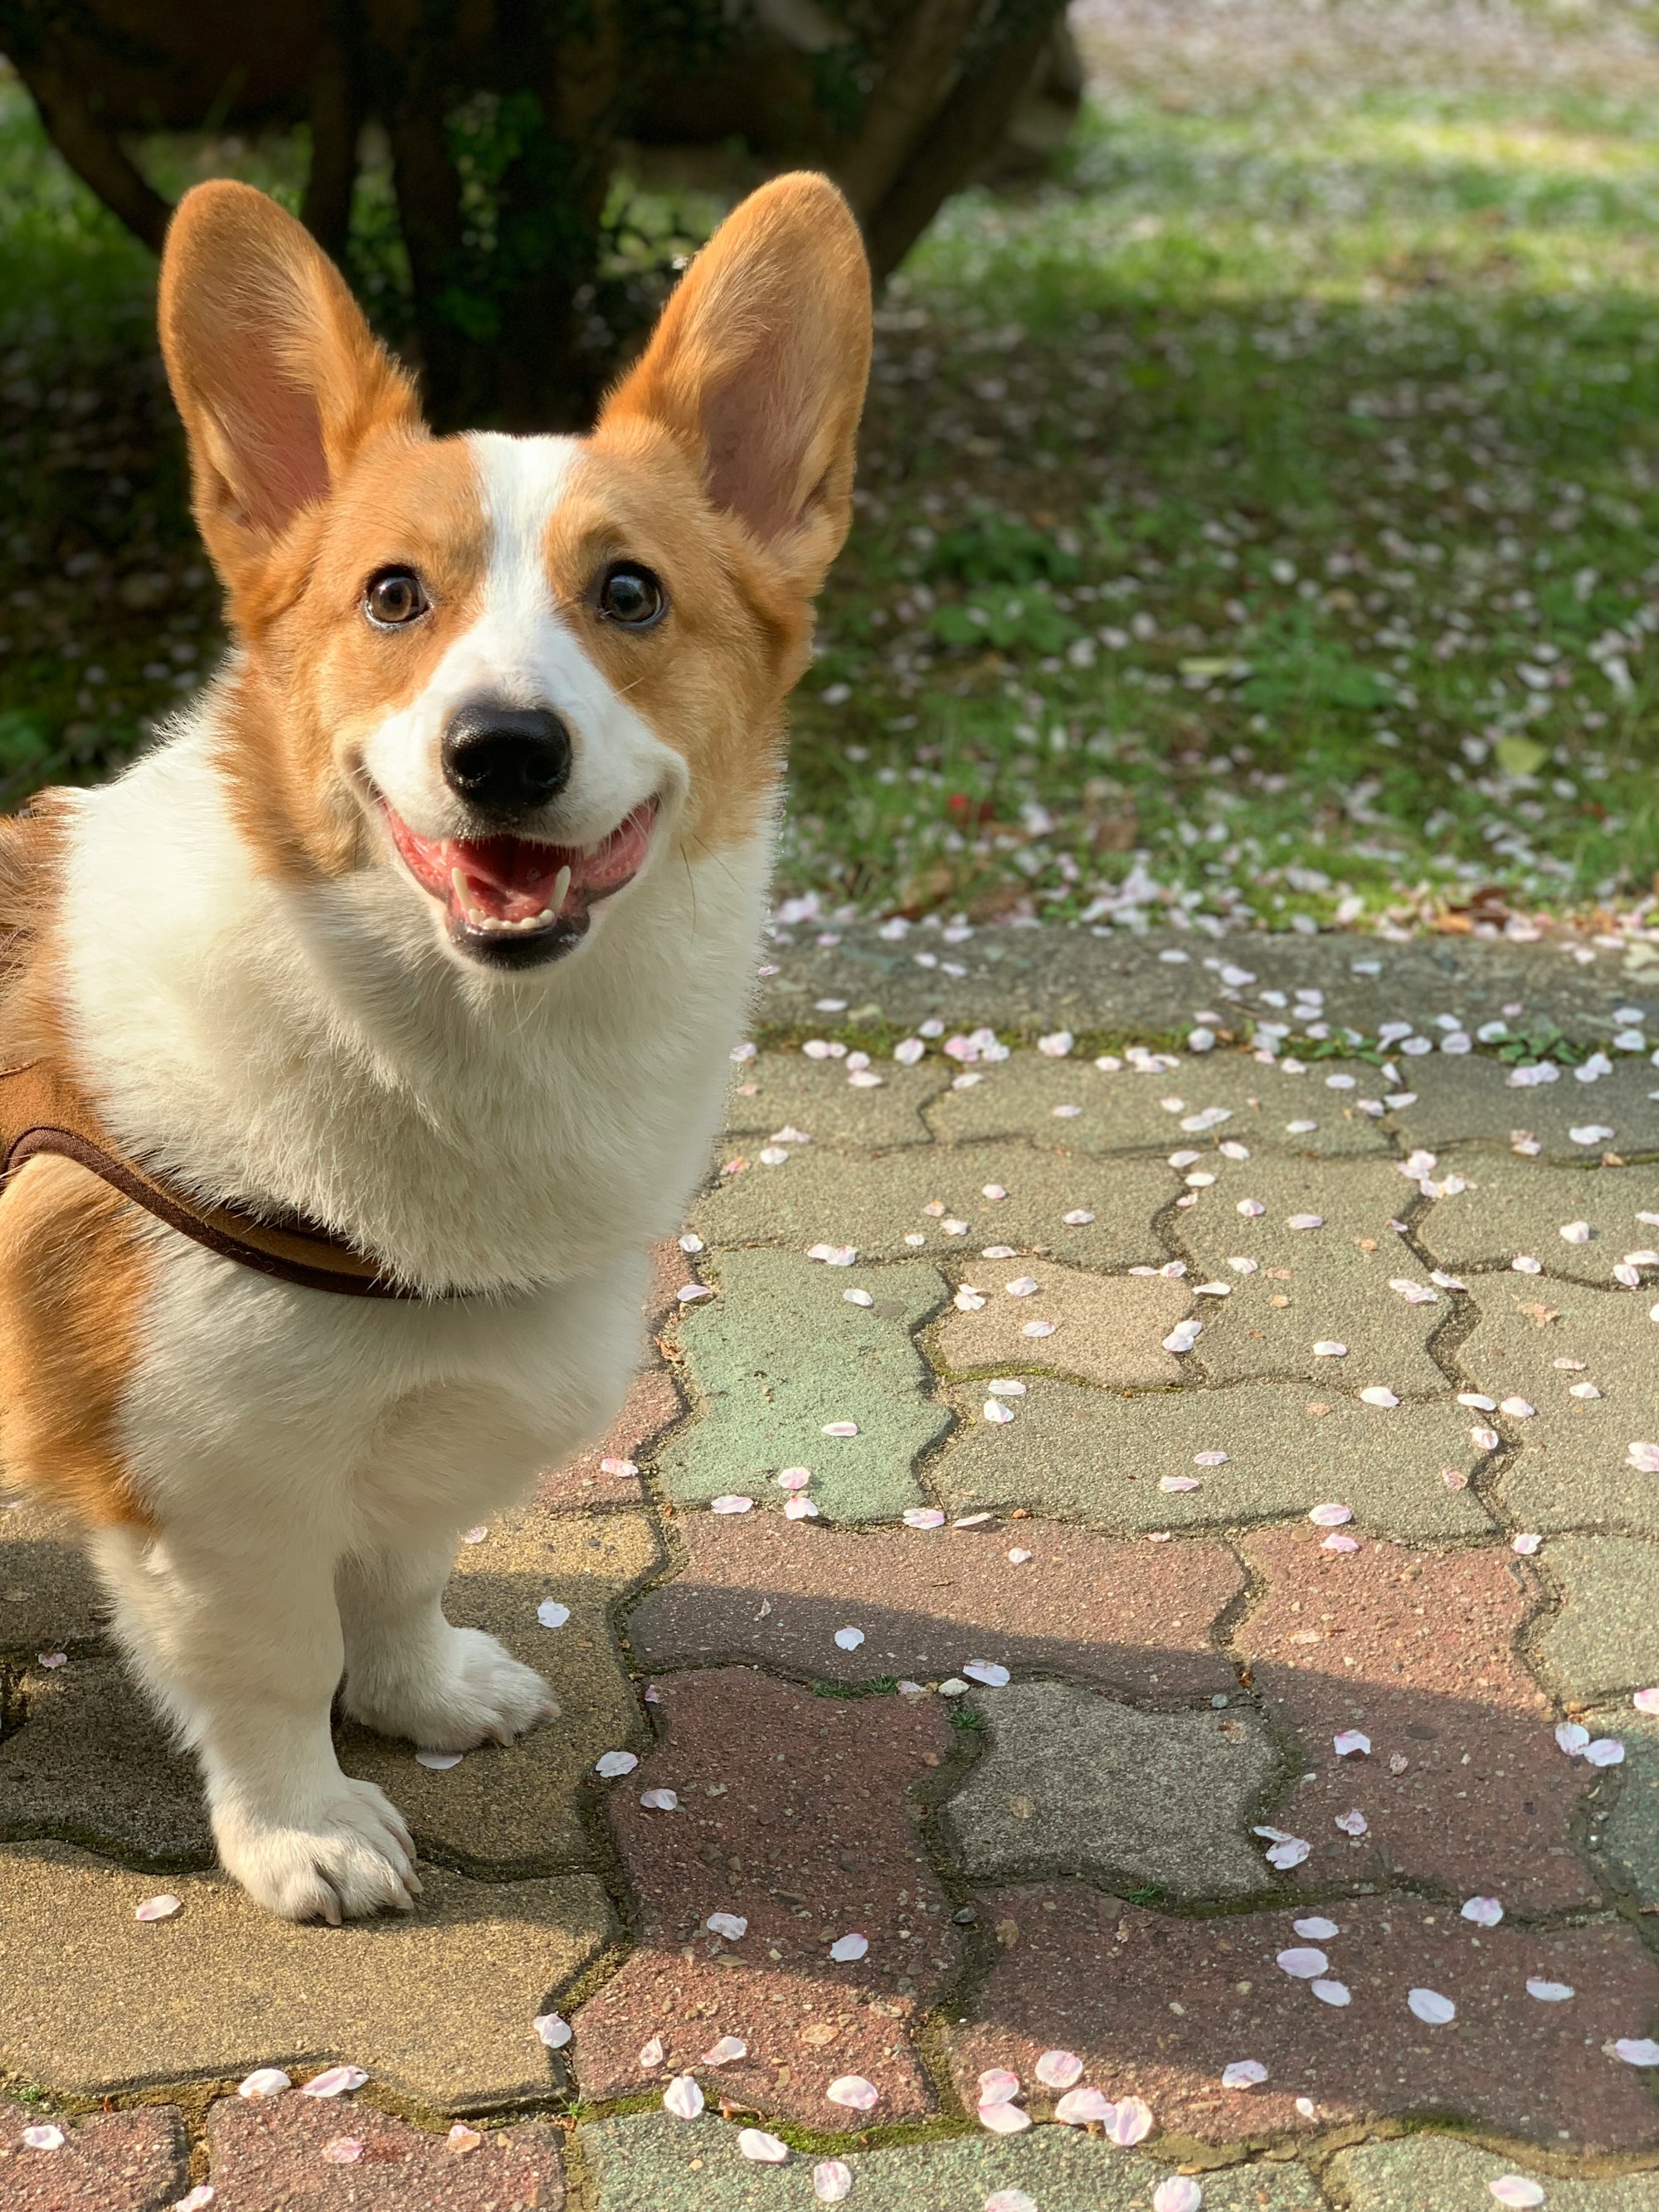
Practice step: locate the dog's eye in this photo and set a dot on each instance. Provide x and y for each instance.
(394, 596)
(631, 595)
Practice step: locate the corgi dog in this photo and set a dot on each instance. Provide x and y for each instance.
(422, 941)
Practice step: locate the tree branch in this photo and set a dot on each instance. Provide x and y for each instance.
(326, 209)
(94, 153)
(915, 75)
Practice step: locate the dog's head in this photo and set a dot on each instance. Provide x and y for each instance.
(512, 672)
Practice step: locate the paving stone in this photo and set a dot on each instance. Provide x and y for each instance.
(774, 1592)
(1605, 1640)
(1157, 2005)
(1625, 1821)
(785, 1090)
(1438, 2173)
(1073, 1782)
(653, 1405)
(1517, 1207)
(136, 2161)
(1124, 1111)
(49, 1596)
(1314, 1285)
(436, 2003)
(829, 1197)
(1415, 1650)
(271, 2156)
(1569, 1465)
(653, 2164)
(1107, 1328)
(780, 1352)
(517, 1810)
(92, 1764)
(793, 1816)
(1467, 1103)
(1100, 1459)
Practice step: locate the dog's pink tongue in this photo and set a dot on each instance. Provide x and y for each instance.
(509, 878)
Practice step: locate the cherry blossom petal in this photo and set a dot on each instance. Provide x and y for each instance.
(1550, 1992)
(1078, 2107)
(552, 1613)
(343, 2150)
(651, 2055)
(1378, 1394)
(730, 1502)
(732, 1925)
(1527, 1544)
(1211, 1458)
(1637, 2050)
(1290, 1853)
(462, 2139)
(1515, 2188)
(1329, 1348)
(1606, 1751)
(1347, 1741)
(43, 2136)
(923, 1516)
(683, 2098)
(1430, 2006)
(158, 1908)
(554, 2029)
(1644, 1458)
(611, 1764)
(1058, 2069)
(849, 1639)
(335, 2081)
(1332, 1993)
(853, 2093)
(726, 2051)
(1244, 2074)
(1010, 2200)
(764, 2149)
(196, 2199)
(1645, 1701)
(660, 1801)
(1302, 1963)
(987, 1671)
(263, 2081)
(832, 2181)
(1338, 1543)
(1331, 1516)
(1572, 1738)
(1131, 2123)
(842, 1429)
(997, 2084)
(1353, 1822)
(1484, 1911)
(1316, 1928)
(439, 1762)
(846, 1948)
(1003, 2118)
(1178, 2193)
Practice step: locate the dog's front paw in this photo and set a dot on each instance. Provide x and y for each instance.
(469, 1693)
(351, 1857)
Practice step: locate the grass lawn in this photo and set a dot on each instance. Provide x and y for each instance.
(1256, 517)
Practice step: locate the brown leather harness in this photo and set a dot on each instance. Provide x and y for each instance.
(42, 1109)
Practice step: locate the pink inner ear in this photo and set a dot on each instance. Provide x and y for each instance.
(274, 437)
(754, 450)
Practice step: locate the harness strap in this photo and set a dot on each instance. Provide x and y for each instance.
(43, 1111)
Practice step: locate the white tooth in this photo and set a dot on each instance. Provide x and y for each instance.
(463, 890)
(561, 892)
(547, 914)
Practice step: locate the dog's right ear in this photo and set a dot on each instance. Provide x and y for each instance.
(278, 377)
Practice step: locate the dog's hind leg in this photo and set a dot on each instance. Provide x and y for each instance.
(410, 1672)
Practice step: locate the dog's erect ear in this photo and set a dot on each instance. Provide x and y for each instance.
(276, 375)
(758, 366)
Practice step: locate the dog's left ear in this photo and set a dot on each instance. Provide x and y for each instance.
(278, 378)
(758, 366)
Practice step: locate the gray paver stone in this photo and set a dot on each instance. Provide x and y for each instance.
(49, 1596)
(1462, 1104)
(1438, 2173)
(1628, 1819)
(1517, 1207)
(1606, 1637)
(92, 1763)
(1099, 1458)
(1078, 1783)
(652, 2164)
(784, 1090)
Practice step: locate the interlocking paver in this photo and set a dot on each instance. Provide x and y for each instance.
(652, 2164)
(793, 1816)
(1471, 1101)
(781, 1090)
(1569, 1467)
(1074, 1783)
(1124, 1110)
(1158, 2005)
(1464, 1787)
(759, 1588)
(132, 2161)
(273, 2156)
(1605, 1638)
(1101, 1457)
(92, 1763)
(1627, 1800)
(1329, 1283)
(437, 2003)
(1437, 2173)
(779, 1353)
(517, 1808)
(1516, 1208)
(1107, 1329)
(823, 1196)
(653, 1404)
(49, 1596)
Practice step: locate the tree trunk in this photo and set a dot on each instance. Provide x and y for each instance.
(94, 153)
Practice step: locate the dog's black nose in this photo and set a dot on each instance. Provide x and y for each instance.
(507, 760)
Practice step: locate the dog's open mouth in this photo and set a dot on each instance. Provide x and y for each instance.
(515, 901)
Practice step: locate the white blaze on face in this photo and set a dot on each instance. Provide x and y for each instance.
(522, 650)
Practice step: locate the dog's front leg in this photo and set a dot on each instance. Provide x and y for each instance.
(410, 1672)
(244, 1659)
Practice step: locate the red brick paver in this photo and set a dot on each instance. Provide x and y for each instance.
(270, 2157)
(654, 1403)
(120, 2162)
(793, 1815)
(1157, 2007)
(1119, 1616)
(1416, 1650)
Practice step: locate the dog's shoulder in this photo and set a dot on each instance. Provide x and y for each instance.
(32, 845)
